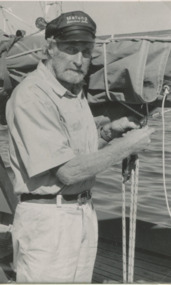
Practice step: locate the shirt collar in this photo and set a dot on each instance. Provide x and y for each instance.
(54, 83)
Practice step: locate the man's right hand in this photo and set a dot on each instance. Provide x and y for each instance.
(139, 139)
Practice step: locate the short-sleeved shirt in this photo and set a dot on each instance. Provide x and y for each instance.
(48, 126)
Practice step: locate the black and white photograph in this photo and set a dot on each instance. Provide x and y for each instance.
(85, 142)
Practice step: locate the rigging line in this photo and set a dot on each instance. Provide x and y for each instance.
(133, 217)
(18, 18)
(61, 7)
(134, 38)
(157, 114)
(4, 19)
(130, 108)
(130, 255)
(7, 22)
(128, 265)
(124, 255)
(147, 112)
(166, 92)
(105, 71)
(24, 53)
(150, 38)
(33, 34)
(26, 49)
(42, 6)
(133, 208)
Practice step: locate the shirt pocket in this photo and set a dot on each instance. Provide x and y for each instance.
(71, 121)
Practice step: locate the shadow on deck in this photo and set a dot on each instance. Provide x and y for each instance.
(152, 255)
(149, 267)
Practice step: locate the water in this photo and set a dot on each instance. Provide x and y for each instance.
(151, 199)
(107, 190)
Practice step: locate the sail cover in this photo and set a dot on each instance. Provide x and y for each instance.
(131, 69)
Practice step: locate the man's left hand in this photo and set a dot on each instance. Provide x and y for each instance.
(124, 124)
(118, 127)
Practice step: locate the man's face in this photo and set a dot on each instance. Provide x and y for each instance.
(70, 61)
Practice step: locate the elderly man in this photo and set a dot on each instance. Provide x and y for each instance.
(55, 158)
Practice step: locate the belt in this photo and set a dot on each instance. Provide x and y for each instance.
(80, 198)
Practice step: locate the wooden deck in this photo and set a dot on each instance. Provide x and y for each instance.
(149, 267)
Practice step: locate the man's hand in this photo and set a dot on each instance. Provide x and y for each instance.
(118, 127)
(139, 139)
(124, 124)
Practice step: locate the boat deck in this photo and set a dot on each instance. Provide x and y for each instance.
(149, 267)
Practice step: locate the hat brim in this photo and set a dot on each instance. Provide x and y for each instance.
(78, 36)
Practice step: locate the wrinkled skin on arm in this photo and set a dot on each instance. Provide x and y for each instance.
(85, 166)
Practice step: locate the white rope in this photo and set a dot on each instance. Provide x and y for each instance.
(163, 150)
(131, 227)
(24, 53)
(124, 255)
(158, 114)
(133, 215)
(148, 38)
(133, 207)
(128, 275)
(105, 71)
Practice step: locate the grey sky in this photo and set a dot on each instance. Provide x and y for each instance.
(111, 17)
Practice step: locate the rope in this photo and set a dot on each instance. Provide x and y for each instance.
(105, 72)
(158, 114)
(133, 164)
(24, 53)
(133, 206)
(134, 181)
(124, 233)
(133, 214)
(130, 108)
(166, 92)
(148, 38)
(26, 49)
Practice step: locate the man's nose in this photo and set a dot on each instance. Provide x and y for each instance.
(78, 58)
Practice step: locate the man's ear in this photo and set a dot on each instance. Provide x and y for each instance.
(50, 52)
(50, 43)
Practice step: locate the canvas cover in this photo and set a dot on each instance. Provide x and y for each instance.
(131, 69)
(135, 70)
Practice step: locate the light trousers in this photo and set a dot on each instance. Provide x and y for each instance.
(54, 243)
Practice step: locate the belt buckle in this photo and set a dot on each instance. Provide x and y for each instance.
(82, 200)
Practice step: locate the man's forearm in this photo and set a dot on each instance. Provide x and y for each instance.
(85, 166)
